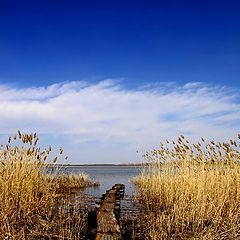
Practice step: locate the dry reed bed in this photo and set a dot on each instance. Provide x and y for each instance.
(191, 191)
(28, 194)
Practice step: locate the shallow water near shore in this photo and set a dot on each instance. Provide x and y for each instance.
(107, 176)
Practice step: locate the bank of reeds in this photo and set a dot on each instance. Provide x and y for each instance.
(191, 191)
(66, 183)
(28, 204)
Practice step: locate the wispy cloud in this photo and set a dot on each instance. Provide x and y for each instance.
(117, 121)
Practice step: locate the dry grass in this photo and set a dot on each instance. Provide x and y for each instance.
(191, 191)
(28, 208)
(70, 182)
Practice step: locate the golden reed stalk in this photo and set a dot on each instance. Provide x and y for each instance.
(191, 191)
(28, 193)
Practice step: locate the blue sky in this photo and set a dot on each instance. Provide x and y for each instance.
(114, 64)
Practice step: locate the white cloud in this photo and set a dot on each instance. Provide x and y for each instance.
(118, 121)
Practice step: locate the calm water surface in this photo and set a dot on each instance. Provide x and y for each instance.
(108, 176)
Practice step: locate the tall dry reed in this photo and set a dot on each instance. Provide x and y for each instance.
(191, 191)
(28, 207)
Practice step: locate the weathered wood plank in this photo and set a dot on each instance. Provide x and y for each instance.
(107, 214)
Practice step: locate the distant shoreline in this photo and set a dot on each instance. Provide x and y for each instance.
(98, 165)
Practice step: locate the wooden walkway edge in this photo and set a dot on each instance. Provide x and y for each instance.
(103, 224)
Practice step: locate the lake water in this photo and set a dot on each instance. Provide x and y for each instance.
(107, 176)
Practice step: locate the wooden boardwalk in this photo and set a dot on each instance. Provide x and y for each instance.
(104, 222)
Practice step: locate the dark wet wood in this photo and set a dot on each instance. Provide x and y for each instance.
(107, 215)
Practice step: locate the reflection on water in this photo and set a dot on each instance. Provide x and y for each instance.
(107, 176)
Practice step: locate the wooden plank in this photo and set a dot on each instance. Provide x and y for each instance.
(107, 214)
